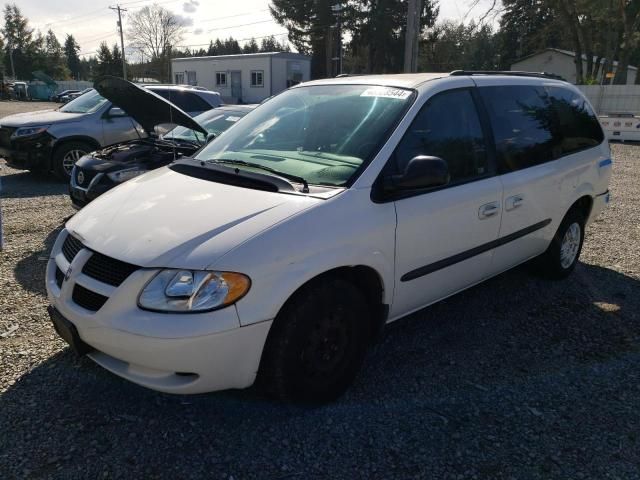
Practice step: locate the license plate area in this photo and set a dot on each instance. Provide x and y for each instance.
(68, 332)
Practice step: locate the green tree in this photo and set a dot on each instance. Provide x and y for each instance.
(21, 50)
(379, 28)
(104, 61)
(71, 49)
(310, 25)
(54, 58)
(251, 46)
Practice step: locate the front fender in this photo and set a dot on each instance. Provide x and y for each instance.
(346, 231)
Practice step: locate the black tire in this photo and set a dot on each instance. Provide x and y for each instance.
(60, 158)
(551, 264)
(317, 343)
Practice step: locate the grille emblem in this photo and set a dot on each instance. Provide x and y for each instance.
(80, 177)
(68, 274)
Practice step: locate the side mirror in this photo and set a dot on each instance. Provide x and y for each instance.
(117, 112)
(422, 172)
(210, 136)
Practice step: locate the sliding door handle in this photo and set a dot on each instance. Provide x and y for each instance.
(488, 210)
(513, 202)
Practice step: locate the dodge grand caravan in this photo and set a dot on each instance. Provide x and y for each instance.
(282, 248)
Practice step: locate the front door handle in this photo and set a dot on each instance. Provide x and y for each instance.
(488, 210)
(513, 202)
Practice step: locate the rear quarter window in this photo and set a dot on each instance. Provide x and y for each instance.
(535, 124)
(578, 124)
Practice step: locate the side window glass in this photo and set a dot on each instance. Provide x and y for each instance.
(577, 123)
(447, 127)
(525, 126)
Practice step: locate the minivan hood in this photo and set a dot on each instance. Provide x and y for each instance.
(171, 220)
(40, 117)
(144, 106)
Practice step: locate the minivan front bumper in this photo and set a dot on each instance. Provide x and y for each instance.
(173, 353)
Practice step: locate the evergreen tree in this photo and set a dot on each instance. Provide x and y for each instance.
(19, 43)
(71, 49)
(251, 47)
(104, 61)
(55, 62)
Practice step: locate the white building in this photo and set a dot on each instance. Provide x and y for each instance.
(246, 78)
(562, 62)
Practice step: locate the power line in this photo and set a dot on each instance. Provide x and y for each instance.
(238, 40)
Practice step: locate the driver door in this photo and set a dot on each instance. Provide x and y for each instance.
(444, 235)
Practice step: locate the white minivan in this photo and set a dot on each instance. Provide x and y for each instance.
(280, 250)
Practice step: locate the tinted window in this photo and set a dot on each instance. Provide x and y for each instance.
(186, 101)
(579, 128)
(524, 125)
(447, 127)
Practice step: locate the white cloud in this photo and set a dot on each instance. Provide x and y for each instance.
(198, 31)
(184, 21)
(191, 6)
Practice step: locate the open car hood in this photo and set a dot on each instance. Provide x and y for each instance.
(144, 106)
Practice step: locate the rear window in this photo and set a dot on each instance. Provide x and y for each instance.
(535, 124)
(186, 101)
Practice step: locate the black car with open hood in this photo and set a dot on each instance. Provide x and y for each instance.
(103, 169)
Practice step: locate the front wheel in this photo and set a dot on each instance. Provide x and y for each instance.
(66, 156)
(317, 343)
(562, 255)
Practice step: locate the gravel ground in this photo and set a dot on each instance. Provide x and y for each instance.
(516, 378)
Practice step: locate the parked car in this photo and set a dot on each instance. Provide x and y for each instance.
(282, 247)
(70, 96)
(58, 96)
(53, 140)
(100, 171)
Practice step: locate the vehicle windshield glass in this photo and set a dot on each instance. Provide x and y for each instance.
(321, 133)
(214, 121)
(87, 103)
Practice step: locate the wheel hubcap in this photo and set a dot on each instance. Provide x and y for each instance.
(70, 159)
(326, 346)
(570, 245)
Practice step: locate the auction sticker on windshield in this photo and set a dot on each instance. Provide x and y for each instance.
(386, 92)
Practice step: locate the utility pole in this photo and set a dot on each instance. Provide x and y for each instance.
(124, 61)
(13, 68)
(412, 37)
(337, 10)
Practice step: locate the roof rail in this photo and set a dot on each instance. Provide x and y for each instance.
(513, 73)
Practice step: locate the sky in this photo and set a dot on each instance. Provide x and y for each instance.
(92, 22)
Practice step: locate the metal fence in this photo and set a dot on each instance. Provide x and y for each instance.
(613, 98)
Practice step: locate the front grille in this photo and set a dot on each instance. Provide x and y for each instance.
(5, 136)
(59, 277)
(71, 247)
(87, 299)
(108, 270)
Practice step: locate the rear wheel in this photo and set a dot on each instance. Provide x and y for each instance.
(317, 343)
(562, 255)
(66, 156)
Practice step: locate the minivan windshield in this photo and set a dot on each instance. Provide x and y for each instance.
(86, 103)
(321, 133)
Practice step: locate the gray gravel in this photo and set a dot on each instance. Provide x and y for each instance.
(516, 378)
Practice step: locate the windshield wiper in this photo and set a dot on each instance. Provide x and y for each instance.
(288, 176)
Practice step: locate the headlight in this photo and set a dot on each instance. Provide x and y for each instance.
(28, 131)
(193, 290)
(124, 175)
